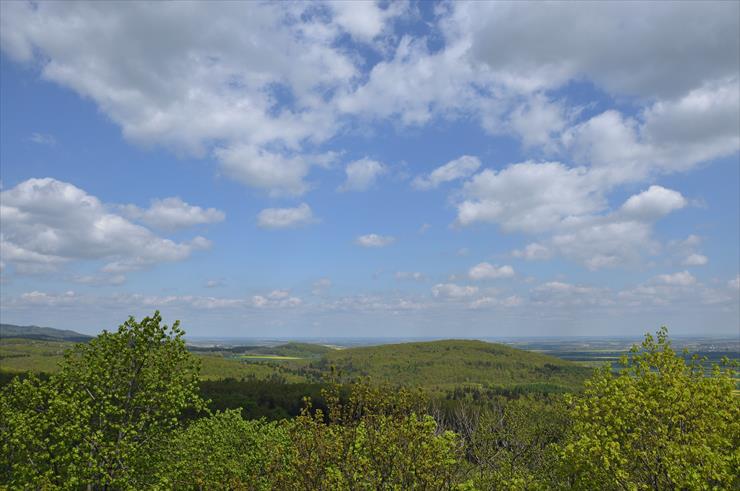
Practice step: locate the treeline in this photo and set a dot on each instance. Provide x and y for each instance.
(126, 411)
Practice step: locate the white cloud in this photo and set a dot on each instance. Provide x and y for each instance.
(364, 20)
(533, 252)
(413, 85)
(452, 290)
(118, 279)
(194, 78)
(487, 271)
(374, 240)
(734, 284)
(47, 223)
(614, 44)
(560, 294)
(695, 260)
(682, 278)
(211, 81)
(320, 286)
(285, 217)
(172, 214)
(456, 169)
(652, 204)
(529, 196)
(275, 301)
(510, 301)
(215, 283)
(660, 140)
(362, 174)
(538, 122)
(550, 198)
(279, 294)
(605, 242)
(278, 173)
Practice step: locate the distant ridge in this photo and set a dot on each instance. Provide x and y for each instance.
(42, 333)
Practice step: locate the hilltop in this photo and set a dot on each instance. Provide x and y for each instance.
(41, 333)
(453, 363)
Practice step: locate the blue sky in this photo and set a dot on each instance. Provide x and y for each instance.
(363, 169)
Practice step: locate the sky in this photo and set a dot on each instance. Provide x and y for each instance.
(372, 169)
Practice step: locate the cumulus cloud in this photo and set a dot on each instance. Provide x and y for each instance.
(47, 223)
(529, 197)
(362, 174)
(177, 75)
(456, 169)
(374, 240)
(561, 294)
(364, 21)
(568, 204)
(533, 252)
(275, 218)
(184, 77)
(579, 41)
(695, 260)
(682, 278)
(483, 302)
(487, 271)
(652, 204)
(173, 213)
(452, 290)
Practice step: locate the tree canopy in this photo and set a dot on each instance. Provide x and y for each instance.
(660, 423)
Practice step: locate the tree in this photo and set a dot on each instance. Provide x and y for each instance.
(511, 442)
(97, 422)
(225, 451)
(377, 439)
(660, 423)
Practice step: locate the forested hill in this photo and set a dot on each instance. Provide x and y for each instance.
(453, 363)
(41, 333)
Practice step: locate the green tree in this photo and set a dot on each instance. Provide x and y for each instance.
(225, 451)
(660, 423)
(98, 421)
(511, 442)
(377, 439)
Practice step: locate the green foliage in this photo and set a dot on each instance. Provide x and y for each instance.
(508, 442)
(123, 412)
(441, 366)
(661, 423)
(511, 442)
(273, 398)
(378, 439)
(97, 420)
(225, 451)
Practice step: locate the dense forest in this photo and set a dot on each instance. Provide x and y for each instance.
(131, 410)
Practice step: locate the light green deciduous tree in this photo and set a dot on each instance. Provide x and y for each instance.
(97, 422)
(660, 423)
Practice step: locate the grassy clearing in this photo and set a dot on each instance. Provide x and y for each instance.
(269, 357)
(29, 355)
